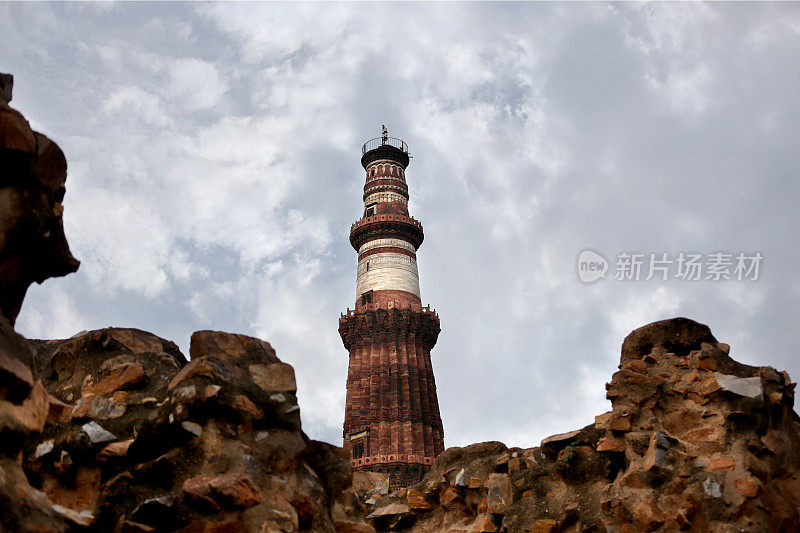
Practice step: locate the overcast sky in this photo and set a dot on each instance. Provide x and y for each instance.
(214, 173)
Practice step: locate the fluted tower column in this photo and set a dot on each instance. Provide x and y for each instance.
(392, 422)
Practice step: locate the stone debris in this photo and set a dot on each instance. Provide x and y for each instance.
(274, 377)
(500, 493)
(223, 492)
(115, 449)
(711, 488)
(120, 376)
(6, 86)
(83, 518)
(44, 448)
(461, 479)
(92, 406)
(277, 397)
(656, 454)
(747, 486)
(749, 387)
(192, 428)
(417, 501)
(97, 434)
(199, 444)
(694, 441)
(368, 484)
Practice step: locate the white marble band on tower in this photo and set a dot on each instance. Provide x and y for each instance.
(384, 196)
(387, 271)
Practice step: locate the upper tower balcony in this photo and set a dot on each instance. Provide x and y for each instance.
(385, 147)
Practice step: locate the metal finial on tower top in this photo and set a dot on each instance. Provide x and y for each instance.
(385, 147)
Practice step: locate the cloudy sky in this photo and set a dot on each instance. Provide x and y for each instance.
(214, 173)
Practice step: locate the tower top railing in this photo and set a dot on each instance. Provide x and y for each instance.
(377, 142)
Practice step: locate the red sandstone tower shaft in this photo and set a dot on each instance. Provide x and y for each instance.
(391, 422)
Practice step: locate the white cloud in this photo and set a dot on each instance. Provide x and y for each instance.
(673, 41)
(139, 103)
(195, 84)
(56, 316)
(214, 173)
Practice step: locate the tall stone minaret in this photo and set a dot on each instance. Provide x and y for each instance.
(391, 421)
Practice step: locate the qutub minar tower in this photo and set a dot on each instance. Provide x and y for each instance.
(391, 421)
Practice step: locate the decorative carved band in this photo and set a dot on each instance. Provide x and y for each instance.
(403, 323)
(383, 188)
(400, 300)
(380, 168)
(391, 458)
(386, 183)
(386, 226)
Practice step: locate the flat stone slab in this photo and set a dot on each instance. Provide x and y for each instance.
(749, 387)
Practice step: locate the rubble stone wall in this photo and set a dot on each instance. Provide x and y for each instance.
(695, 441)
